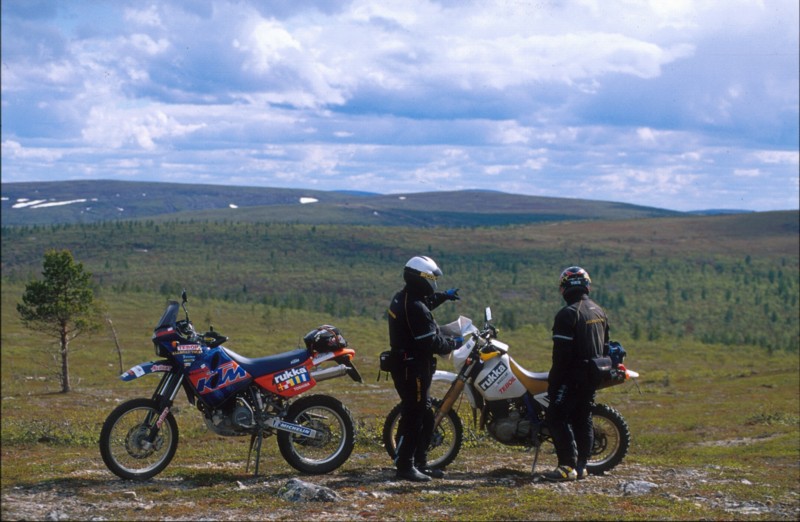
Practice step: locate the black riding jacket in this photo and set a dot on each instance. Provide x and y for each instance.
(413, 332)
(580, 332)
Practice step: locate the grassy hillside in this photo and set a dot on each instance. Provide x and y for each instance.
(714, 427)
(96, 201)
(726, 279)
(707, 308)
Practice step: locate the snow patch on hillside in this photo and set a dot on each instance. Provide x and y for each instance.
(43, 203)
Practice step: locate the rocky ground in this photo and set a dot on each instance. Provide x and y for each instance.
(362, 494)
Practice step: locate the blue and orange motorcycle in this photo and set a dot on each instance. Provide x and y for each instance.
(237, 396)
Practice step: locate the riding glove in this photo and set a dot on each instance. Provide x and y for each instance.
(452, 294)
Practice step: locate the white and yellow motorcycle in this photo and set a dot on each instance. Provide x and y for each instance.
(512, 402)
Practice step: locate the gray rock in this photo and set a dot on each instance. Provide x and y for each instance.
(298, 491)
(637, 487)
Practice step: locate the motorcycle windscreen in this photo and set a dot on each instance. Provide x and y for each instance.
(460, 355)
(497, 381)
(169, 316)
(289, 382)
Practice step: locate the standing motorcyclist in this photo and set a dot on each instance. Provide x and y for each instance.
(414, 337)
(580, 333)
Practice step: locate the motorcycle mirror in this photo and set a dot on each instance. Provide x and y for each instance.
(183, 304)
(488, 314)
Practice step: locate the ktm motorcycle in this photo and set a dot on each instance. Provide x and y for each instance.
(510, 401)
(237, 396)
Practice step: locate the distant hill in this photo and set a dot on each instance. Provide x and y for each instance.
(718, 212)
(103, 200)
(61, 202)
(729, 279)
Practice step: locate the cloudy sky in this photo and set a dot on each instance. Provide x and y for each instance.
(679, 104)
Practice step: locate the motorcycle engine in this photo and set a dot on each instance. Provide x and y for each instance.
(508, 425)
(235, 421)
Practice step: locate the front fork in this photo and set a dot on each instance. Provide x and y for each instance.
(454, 392)
(163, 396)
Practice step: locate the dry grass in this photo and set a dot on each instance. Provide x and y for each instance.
(714, 429)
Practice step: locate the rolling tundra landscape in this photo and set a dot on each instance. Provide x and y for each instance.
(705, 303)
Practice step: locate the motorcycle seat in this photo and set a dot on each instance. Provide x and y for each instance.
(270, 363)
(534, 382)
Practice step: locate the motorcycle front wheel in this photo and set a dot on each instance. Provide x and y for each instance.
(335, 435)
(612, 437)
(445, 442)
(125, 445)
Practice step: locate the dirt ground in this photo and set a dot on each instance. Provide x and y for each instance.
(361, 493)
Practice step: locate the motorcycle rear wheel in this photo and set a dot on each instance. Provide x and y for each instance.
(329, 417)
(612, 438)
(123, 440)
(446, 439)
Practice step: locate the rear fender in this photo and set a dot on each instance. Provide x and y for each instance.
(147, 368)
(342, 356)
(619, 375)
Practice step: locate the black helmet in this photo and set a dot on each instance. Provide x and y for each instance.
(573, 278)
(421, 273)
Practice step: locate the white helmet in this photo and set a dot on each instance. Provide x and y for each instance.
(421, 273)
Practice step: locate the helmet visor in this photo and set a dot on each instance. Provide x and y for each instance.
(431, 278)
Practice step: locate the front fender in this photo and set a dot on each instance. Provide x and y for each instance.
(442, 376)
(143, 369)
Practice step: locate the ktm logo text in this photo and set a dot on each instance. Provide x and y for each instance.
(226, 374)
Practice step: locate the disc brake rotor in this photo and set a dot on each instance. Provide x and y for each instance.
(135, 442)
(600, 443)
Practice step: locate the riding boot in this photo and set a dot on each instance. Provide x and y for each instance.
(422, 466)
(412, 474)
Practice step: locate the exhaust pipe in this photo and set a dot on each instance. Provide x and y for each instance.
(329, 373)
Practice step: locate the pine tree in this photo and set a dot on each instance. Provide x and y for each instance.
(61, 305)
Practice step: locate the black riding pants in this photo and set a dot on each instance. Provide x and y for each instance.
(412, 380)
(570, 420)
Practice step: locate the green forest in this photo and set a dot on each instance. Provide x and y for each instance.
(729, 279)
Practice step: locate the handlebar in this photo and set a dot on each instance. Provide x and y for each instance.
(210, 338)
(185, 327)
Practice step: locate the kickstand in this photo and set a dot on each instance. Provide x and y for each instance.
(537, 444)
(255, 440)
(535, 458)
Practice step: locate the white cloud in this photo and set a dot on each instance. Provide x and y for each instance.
(116, 128)
(14, 150)
(404, 95)
(148, 45)
(148, 17)
(778, 156)
(646, 135)
(267, 45)
(510, 132)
